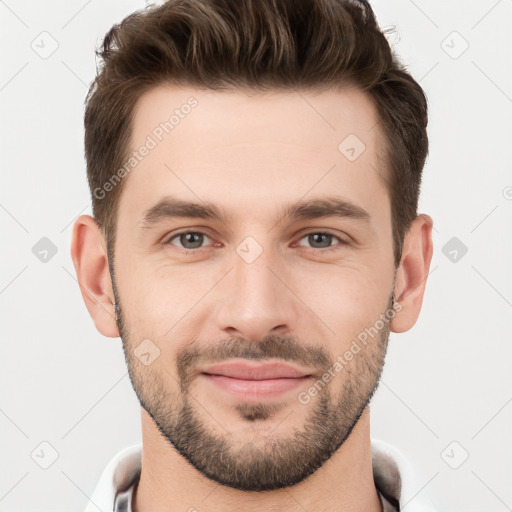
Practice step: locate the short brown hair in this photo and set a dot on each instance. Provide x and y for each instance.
(258, 45)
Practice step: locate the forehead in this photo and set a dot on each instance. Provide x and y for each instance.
(236, 147)
(293, 116)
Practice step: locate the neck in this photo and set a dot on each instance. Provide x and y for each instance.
(169, 483)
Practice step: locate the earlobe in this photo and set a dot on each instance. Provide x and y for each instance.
(411, 277)
(89, 255)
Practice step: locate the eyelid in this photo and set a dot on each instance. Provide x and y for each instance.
(335, 234)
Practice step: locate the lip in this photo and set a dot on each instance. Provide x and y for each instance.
(255, 382)
(255, 390)
(251, 371)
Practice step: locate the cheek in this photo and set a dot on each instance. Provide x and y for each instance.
(152, 301)
(163, 301)
(347, 297)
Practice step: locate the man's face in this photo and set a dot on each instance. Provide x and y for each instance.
(255, 286)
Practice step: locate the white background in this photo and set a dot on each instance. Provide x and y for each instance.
(446, 380)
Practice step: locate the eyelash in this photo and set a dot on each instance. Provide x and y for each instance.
(315, 251)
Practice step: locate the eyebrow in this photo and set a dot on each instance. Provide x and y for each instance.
(331, 206)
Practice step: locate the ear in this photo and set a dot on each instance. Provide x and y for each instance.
(89, 254)
(412, 273)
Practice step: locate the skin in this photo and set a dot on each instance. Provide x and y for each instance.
(251, 154)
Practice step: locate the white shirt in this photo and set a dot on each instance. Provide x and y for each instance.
(394, 479)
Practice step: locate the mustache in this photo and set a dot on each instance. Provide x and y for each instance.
(272, 347)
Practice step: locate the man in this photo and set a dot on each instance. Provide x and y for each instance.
(254, 169)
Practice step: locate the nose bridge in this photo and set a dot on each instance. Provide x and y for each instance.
(254, 300)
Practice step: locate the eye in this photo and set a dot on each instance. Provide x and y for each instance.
(189, 240)
(192, 241)
(322, 241)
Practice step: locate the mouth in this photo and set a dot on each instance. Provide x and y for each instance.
(255, 382)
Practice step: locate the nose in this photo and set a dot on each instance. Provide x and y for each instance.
(255, 299)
